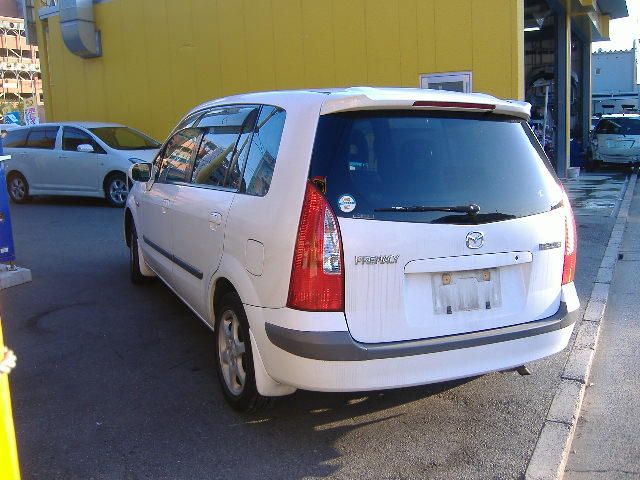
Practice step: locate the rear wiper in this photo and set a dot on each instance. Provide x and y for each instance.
(472, 209)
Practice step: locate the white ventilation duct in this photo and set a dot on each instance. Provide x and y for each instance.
(78, 28)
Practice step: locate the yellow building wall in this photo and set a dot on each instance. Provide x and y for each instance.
(162, 57)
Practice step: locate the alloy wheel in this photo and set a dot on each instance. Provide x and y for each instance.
(118, 191)
(231, 352)
(17, 188)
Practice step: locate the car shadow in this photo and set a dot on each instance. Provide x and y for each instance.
(299, 436)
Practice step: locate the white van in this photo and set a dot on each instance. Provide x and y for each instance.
(82, 159)
(358, 239)
(616, 140)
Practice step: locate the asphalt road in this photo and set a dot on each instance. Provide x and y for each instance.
(606, 443)
(117, 382)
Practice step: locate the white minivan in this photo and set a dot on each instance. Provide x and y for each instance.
(616, 140)
(83, 159)
(358, 239)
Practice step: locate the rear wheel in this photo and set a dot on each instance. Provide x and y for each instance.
(234, 358)
(590, 164)
(18, 188)
(116, 189)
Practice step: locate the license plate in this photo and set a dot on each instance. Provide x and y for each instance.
(466, 291)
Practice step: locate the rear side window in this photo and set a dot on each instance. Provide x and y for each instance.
(262, 156)
(380, 165)
(16, 138)
(218, 162)
(175, 161)
(43, 138)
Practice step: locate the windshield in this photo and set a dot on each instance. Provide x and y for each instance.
(124, 138)
(619, 126)
(370, 162)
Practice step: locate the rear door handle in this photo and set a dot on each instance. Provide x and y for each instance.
(165, 205)
(215, 220)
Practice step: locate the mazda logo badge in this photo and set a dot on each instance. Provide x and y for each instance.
(475, 240)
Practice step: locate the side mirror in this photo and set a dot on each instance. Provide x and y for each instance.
(140, 172)
(85, 148)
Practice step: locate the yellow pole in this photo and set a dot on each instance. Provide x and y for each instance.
(9, 469)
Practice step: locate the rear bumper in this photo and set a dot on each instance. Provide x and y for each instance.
(331, 361)
(341, 347)
(629, 157)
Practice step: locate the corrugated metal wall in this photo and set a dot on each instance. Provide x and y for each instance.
(161, 57)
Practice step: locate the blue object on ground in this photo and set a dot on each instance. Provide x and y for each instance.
(576, 153)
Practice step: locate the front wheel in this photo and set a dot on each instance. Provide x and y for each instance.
(234, 358)
(116, 189)
(18, 188)
(135, 270)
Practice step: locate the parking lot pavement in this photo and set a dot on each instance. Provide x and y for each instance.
(118, 382)
(596, 193)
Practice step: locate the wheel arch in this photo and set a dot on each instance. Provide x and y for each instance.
(13, 171)
(220, 287)
(109, 174)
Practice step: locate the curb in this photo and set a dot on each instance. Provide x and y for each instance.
(550, 454)
(10, 277)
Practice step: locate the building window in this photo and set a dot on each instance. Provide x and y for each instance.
(452, 81)
(597, 71)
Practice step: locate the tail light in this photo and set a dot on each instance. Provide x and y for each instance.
(571, 242)
(317, 273)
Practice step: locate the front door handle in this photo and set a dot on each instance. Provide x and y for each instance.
(215, 220)
(165, 205)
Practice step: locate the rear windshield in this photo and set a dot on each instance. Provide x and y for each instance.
(619, 126)
(368, 162)
(124, 138)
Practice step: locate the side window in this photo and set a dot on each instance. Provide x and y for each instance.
(218, 162)
(16, 138)
(72, 137)
(263, 151)
(42, 138)
(175, 160)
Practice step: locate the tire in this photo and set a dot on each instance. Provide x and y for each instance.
(18, 188)
(115, 189)
(135, 273)
(590, 165)
(234, 358)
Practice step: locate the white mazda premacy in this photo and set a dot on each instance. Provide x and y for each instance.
(358, 239)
